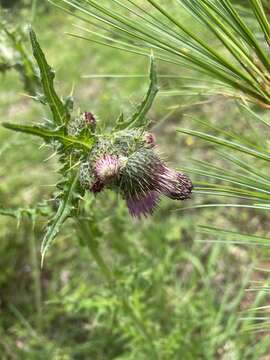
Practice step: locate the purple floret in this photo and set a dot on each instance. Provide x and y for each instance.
(143, 205)
(173, 184)
(107, 167)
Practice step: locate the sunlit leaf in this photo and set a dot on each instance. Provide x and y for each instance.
(58, 109)
(49, 135)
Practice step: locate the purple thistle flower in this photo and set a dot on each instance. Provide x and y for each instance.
(143, 205)
(173, 184)
(140, 175)
(107, 167)
(145, 177)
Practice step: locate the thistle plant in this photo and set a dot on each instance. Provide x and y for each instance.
(233, 63)
(123, 160)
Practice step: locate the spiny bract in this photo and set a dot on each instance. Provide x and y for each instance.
(125, 161)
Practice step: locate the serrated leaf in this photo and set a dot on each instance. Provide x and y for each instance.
(49, 135)
(64, 210)
(58, 109)
(139, 118)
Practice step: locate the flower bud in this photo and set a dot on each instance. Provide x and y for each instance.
(90, 120)
(150, 140)
(82, 124)
(85, 177)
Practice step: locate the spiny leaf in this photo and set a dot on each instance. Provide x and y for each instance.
(49, 135)
(58, 109)
(139, 118)
(64, 210)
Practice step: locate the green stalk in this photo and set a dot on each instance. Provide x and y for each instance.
(93, 247)
(36, 276)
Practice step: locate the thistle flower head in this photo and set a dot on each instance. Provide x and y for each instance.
(128, 162)
(108, 167)
(145, 178)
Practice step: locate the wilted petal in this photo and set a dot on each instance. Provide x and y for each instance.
(143, 205)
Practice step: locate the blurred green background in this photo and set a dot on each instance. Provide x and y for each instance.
(190, 295)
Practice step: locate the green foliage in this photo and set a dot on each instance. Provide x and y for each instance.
(237, 58)
(14, 55)
(150, 290)
(139, 118)
(244, 74)
(61, 116)
(73, 150)
(59, 112)
(49, 136)
(67, 203)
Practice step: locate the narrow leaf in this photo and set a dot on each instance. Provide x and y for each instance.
(59, 111)
(64, 210)
(139, 118)
(49, 135)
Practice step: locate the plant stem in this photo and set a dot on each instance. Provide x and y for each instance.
(93, 247)
(36, 277)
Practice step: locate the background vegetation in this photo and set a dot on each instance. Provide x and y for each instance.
(188, 293)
